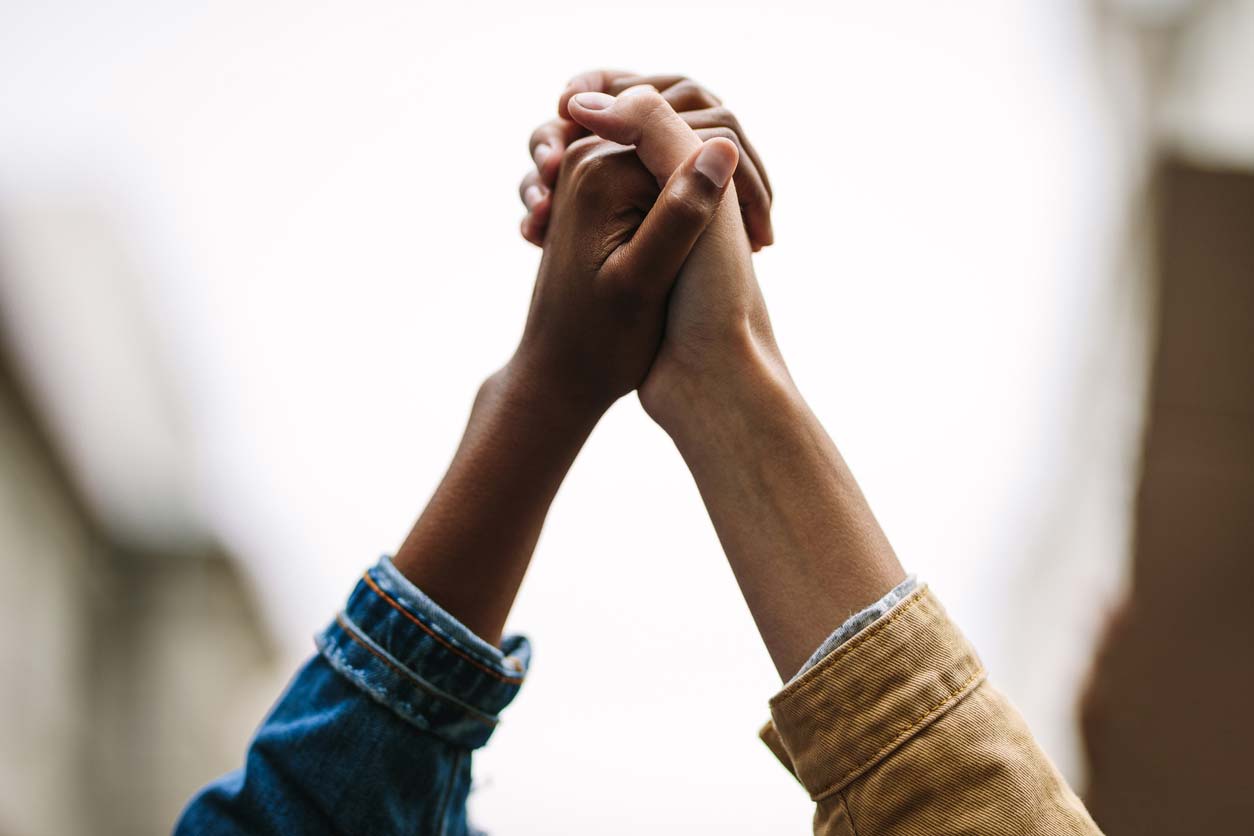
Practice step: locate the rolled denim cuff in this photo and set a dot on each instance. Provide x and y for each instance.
(407, 653)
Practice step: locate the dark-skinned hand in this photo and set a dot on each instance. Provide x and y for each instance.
(701, 109)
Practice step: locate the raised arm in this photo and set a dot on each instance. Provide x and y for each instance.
(375, 733)
(594, 327)
(889, 724)
(804, 546)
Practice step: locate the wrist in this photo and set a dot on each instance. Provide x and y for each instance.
(532, 399)
(470, 547)
(742, 377)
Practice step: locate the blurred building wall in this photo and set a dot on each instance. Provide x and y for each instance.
(1168, 743)
(1169, 749)
(122, 668)
(45, 633)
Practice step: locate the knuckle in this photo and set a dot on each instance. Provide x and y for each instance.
(724, 116)
(587, 81)
(578, 153)
(592, 77)
(693, 95)
(539, 135)
(648, 101)
(620, 83)
(685, 206)
(724, 132)
(650, 116)
(685, 87)
(593, 167)
(523, 185)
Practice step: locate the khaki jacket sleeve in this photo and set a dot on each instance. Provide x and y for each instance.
(897, 733)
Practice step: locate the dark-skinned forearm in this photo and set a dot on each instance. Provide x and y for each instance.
(470, 548)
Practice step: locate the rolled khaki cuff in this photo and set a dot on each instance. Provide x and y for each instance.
(871, 695)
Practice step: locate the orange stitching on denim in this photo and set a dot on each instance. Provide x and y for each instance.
(939, 708)
(845, 649)
(511, 680)
(352, 634)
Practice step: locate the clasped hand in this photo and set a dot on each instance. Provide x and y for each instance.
(648, 203)
(646, 280)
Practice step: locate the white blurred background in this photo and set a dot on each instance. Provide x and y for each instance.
(255, 258)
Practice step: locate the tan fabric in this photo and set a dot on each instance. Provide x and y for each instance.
(897, 732)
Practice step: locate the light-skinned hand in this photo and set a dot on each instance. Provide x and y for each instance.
(701, 109)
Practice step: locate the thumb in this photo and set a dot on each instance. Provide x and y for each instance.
(651, 260)
(640, 117)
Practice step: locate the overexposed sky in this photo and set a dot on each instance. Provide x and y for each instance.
(317, 207)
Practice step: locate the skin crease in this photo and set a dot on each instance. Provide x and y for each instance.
(691, 332)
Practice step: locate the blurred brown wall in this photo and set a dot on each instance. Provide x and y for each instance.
(1170, 745)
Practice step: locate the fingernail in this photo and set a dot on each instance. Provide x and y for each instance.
(531, 196)
(716, 163)
(593, 101)
(638, 89)
(542, 152)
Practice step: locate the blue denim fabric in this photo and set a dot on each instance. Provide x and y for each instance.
(374, 735)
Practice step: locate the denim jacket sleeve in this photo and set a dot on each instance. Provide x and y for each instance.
(375, 733)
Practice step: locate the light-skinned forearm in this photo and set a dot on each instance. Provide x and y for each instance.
(802, 541)
(470, 548)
